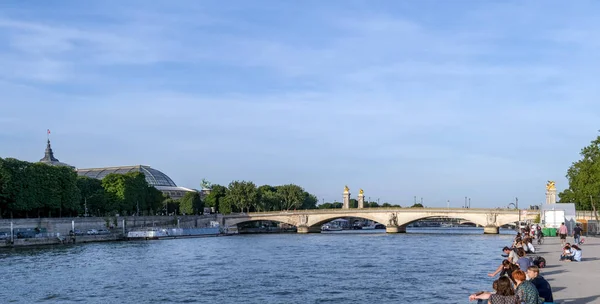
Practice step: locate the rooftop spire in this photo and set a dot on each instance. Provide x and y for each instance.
(48, 155)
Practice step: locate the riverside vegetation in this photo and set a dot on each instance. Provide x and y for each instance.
(40, 190)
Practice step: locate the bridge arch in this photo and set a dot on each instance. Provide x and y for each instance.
(281, 219)
(411, 218)
(378, 218)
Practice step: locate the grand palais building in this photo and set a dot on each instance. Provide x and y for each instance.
(154, 177)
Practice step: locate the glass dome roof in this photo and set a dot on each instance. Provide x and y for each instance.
(153, 176)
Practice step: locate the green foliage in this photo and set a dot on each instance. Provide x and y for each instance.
(309, 201)
(291, 196)
(417, 205)
(334, 205)
(242, 194)
(216, 198)
(129, 193)
(172, 206)
(371, 205)
(191, 203)
(32, 189)
(268, 199)
(584, 179)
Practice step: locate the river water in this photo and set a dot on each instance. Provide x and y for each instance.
(425, 265)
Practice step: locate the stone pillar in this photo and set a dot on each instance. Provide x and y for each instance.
(395, 229)
(551, 196)
(491, 230)
(346, 198)
(306, 229)
(361, 199)
(550, 192)
(391, 229)
(302, 229)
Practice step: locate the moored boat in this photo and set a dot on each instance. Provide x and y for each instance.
(147, 234)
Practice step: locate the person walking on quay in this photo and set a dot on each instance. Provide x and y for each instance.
(577, 234)
(525, 290)
(562, 233)
(543, 287)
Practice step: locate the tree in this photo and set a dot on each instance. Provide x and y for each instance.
(417, 205)
(291, 195)
(216, 197)
(190, 203)
(268, 199)
(309, 201)
(92, 194)
(242, 194)
(584, 178)
(155, 200)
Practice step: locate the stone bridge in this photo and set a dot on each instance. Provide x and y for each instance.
(395, 219)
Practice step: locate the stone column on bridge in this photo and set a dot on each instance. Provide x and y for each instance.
(346, 198)
(550, 193)
(361, 199)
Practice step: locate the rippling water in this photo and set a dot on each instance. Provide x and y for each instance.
(422, 266)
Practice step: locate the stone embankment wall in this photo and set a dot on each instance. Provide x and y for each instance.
(63, 225)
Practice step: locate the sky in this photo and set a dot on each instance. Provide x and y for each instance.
(440, 100)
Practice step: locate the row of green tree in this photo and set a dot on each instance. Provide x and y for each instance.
(584, 179)
(35, 189)
(354, 204)
(40, 190)
(245, 196)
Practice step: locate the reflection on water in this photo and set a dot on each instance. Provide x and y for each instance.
(426, 265)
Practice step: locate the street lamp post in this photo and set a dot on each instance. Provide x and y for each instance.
(518, 210)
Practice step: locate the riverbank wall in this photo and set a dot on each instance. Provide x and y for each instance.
(63, 225)
(61, 240)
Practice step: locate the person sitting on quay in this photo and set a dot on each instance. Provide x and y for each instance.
(511, 254)
(574, 256)
(543, 287)
(524, 262)
(525, 290)
(528, 246)
(505, 269)
(504, 293)
(567, 253)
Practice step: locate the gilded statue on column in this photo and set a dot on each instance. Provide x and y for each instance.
(550, 185)
(361, 192)
(346, 189)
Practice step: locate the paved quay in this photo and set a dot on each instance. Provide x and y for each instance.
(572, 282)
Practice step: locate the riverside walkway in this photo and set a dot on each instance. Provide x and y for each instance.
(572, 282)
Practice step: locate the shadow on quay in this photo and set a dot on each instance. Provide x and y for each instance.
(587, 300)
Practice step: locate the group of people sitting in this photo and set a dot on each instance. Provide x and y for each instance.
(520, 280)
(571, 253)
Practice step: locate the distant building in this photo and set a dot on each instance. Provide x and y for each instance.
(154, 178)
(49, 158)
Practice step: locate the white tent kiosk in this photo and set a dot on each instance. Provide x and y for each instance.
(552, 215)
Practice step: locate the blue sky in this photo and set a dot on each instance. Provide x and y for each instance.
(434, 99)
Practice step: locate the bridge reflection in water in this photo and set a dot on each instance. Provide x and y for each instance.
(395, 219)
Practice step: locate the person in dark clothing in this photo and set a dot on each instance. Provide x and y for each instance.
(540, 283)
(577, 234)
